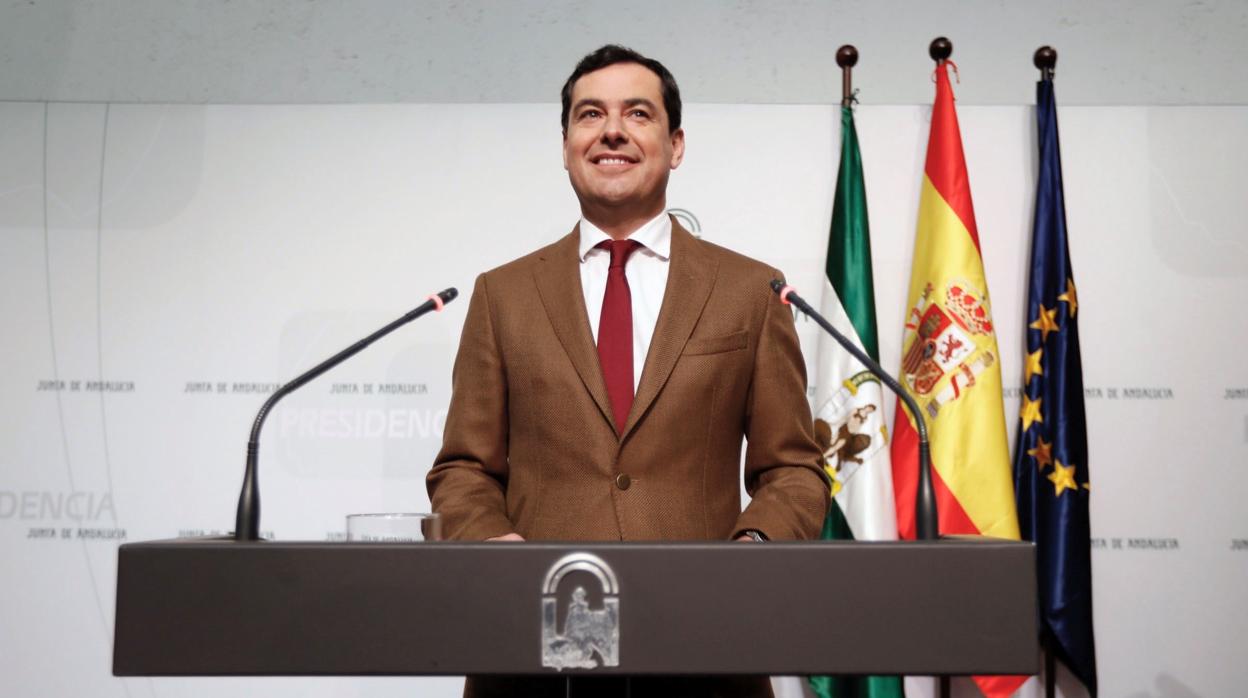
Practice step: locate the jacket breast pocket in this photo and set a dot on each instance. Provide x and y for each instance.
(716, 345)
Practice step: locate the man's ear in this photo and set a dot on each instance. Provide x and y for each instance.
(678, 147)
(565, 148)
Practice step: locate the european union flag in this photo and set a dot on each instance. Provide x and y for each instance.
(1051, 460)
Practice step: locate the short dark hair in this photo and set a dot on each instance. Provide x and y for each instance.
(612, 54)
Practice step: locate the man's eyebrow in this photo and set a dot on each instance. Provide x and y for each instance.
(589, 102)
(640, 101)
(633, 102)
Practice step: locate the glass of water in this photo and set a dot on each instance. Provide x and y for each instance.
(393, 528)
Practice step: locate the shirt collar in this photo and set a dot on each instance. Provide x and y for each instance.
(655, 236)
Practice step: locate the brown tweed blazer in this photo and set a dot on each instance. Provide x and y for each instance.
(530, 445)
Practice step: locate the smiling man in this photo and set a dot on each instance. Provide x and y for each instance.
(620, 142)
(604, 383)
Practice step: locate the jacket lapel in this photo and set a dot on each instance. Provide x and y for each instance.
(689, 283)
(558, 279)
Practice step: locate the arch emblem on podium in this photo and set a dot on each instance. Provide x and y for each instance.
(590, 637)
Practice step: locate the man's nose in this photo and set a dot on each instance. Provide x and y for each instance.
(613, 132)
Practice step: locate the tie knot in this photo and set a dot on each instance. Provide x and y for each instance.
(620, 250)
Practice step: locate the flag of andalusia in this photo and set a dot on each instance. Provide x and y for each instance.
(849, 416)
(950, 363)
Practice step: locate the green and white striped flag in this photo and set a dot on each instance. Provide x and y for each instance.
(849, 406)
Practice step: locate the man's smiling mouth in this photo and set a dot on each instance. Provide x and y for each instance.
(612, 160)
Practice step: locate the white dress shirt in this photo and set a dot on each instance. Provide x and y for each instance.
(646, 272)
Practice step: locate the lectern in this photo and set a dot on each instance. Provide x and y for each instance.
(223, 607)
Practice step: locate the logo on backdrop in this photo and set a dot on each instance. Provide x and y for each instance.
(589, 636)
(83, 385)
(43, 509)
(389, 428)
(1138, 544)
(686, 219)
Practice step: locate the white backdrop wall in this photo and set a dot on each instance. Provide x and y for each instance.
(163, 267)
(1138, 52)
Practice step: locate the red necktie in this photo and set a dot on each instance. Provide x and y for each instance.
(615, 331)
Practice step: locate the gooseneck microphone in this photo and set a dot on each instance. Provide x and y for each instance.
(926, 519)
(247, 523)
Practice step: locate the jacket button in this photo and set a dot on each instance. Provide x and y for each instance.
(622, 481)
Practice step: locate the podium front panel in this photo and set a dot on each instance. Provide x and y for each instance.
(220, 607)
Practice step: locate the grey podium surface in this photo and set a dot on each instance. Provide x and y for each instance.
(221, 607)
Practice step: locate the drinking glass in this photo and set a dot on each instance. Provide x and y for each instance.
(393, 528)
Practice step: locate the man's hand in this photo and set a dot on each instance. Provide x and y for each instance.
(509, 538)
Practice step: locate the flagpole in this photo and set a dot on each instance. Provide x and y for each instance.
(1045, 60)
(940, 49)
(847, 58)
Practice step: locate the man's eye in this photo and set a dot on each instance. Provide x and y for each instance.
(590, 114)
(641, 113)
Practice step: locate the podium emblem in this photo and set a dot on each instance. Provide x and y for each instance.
(589, 636)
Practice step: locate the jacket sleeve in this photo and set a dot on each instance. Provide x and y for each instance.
(783, 464)
(468, 481)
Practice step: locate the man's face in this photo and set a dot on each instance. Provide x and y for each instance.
(617, 149)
